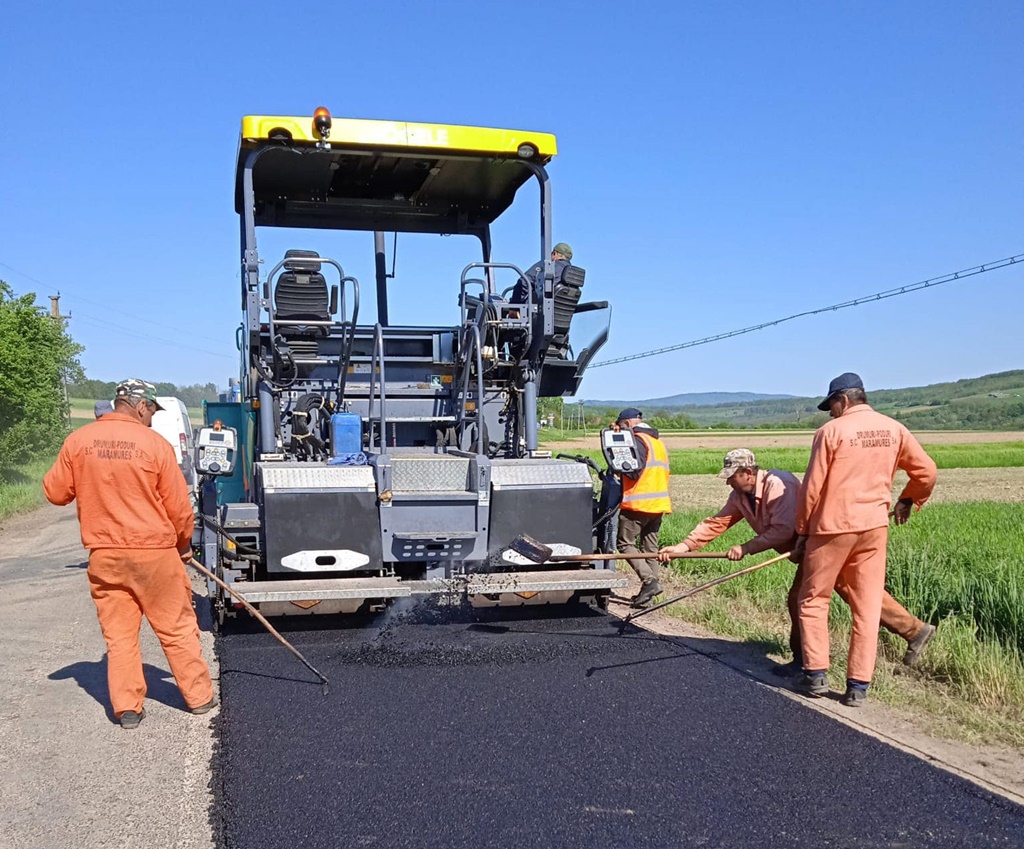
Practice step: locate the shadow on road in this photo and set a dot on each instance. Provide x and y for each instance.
(91, 676)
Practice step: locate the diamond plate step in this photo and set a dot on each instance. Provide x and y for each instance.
(325, 588)
(528, 582)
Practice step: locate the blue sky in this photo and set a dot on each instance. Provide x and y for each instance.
(721, 164)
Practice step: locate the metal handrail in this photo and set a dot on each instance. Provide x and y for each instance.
(474, 333)
(347, 340)
(487, 292)
(377, 357)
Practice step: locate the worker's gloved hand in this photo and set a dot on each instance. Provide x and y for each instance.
(186, 556)
(735, 553)
(901, 512)
(797, 554)
(670, 552)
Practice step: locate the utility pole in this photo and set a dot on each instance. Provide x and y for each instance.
(61, 319)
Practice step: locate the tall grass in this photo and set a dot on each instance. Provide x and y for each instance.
(959, 566)
(21, 486)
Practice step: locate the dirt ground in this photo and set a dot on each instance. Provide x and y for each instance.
(726, 440)
(700, 492)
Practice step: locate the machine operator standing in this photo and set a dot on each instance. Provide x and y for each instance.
(645, 502)
(136, 520)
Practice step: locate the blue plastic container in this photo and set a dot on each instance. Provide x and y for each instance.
(346, 434)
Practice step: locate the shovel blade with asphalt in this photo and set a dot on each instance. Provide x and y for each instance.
(539, 553)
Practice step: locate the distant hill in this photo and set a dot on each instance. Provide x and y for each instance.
(990, 402)
(689, 399)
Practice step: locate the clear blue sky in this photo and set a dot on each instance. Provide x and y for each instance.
(720, 164)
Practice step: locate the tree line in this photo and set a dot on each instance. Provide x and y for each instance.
(39, 371)
(37, 359)
(193, 395)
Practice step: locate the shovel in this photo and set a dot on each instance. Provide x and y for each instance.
(537, 552)
(700, 589)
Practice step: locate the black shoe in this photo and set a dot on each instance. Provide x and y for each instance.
(648, 592)
(916, 646)
(210, 705)
(786, 670)
(854, 697)
(811, 684)
(130, 719)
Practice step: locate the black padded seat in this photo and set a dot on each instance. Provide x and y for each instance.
(567, 293)
(301, 290)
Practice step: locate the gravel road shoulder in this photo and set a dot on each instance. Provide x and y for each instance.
(70, 776)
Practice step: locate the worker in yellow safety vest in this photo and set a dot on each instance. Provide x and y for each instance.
(645, 501)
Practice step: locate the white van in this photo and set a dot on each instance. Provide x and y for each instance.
(173, 425)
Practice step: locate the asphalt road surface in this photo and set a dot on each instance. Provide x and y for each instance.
(451, 728)
(441, 730)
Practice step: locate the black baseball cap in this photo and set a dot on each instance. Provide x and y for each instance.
(847, 380)
(630, 413)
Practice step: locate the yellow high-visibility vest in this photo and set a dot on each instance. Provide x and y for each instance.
(649, 492)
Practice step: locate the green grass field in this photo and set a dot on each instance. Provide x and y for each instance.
(21, 486)
(82, 413)
(708, 461)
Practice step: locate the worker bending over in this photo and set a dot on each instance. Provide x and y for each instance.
(136, 521)
(842, 519)
(767, 500)
(645, 502)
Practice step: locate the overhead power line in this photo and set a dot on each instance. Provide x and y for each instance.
(110, 326)
(878, 296)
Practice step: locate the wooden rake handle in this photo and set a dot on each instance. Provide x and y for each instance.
(195, 564)
(701, 588)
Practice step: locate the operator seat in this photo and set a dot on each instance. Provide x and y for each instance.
(300, 294)
(567, 293)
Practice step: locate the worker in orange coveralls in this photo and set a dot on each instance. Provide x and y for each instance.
(136, 521)
(843, 524)
(767, 500)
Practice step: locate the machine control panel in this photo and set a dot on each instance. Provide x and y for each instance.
(619, 448)
(216, 449)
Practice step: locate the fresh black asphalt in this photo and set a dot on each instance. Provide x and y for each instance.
(465, 729)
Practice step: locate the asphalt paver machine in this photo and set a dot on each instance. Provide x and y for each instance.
(371, 461)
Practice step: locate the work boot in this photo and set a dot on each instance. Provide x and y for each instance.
(786, 670)
(210, 705)
(130, 719)
(854, 696)
(811, 684)
(916, 646)
(648, 591)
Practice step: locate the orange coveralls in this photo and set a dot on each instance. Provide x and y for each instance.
(843, 509)
(135, 517)
(772, 515)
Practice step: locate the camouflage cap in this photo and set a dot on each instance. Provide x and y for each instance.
(563, 249)
(136, 390)
(740, 458)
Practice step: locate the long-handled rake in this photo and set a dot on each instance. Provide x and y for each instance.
(325, 684)
(691, 592)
